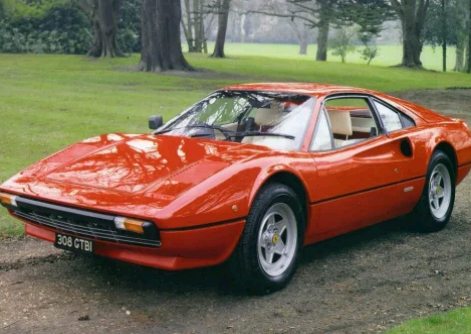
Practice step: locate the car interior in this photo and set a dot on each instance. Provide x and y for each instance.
(262, 120)
(350, 124)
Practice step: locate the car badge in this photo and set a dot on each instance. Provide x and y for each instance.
(275, 239)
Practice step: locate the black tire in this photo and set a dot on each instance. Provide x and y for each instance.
(246, 267)
(423, 218)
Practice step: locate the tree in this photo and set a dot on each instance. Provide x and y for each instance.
(325, 17)
(324, 14)
(195, 12)
(223, 18)
(444, 32)
(370, 50)
(302, 35)
(445, 25)
(369, 15)
(468, 62)
(161, 43)
(315, 14)
(341, 44)
(412, 14)
(460, 26)
(105, 18)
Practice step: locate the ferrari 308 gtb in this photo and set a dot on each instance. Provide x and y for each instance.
(250, 174)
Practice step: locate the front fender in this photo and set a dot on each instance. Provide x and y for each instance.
(229, 194)
(267, 173)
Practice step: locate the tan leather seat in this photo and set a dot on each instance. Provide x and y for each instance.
(341, 123)
(269, 116)
(363, 124)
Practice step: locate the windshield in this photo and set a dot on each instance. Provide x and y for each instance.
(275, 120)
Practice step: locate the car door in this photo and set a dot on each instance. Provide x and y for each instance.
(361, 179)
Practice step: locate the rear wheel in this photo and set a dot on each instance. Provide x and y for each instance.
(434, 209)
(267, 255)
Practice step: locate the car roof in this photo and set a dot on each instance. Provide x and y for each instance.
(312, 89)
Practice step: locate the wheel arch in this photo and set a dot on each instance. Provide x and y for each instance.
(290, 179)
(449, 150)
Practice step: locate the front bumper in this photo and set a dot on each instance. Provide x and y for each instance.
(180, 249)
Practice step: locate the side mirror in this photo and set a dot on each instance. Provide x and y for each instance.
(155, 122)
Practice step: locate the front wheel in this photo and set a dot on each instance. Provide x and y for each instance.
(434, 209)
(267, 255)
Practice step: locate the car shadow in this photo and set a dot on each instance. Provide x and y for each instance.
(218, 279)
(394, 230)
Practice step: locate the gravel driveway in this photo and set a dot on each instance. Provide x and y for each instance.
(363, 282)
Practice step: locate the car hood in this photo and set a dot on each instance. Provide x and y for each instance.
(128, 173)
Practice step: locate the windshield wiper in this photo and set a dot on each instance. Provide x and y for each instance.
(224, 131)
(213, 126)
(258, 134)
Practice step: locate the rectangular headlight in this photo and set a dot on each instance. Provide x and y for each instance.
(8, 199)
(129, 224)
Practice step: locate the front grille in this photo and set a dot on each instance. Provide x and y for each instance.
(88, 224)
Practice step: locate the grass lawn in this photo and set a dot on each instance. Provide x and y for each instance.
(388, 55)
(454, 322)
(48, 101)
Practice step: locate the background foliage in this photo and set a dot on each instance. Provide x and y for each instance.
(59, 26)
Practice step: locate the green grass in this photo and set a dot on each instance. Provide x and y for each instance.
(388, 55)
(49, 101)
(454, 322)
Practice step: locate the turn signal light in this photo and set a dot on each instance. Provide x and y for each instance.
(129, 224)
(8, 199)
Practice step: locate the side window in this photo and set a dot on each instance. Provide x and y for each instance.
(351, 119)
(391, 119)
(322, 136)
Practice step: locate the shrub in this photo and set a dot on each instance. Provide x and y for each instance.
(54, 26)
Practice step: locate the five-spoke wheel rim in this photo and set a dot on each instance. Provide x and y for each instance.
(277, 239)
(439, 191)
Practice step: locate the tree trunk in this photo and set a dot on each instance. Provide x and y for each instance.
(223, 18)
(412, 47)
(444, 34)
(412, 15)
(304, 40)
(459, 58)
(444, 56)
(241, 28)
(202, 38)
(322, 39)
(161, 43)
(197, 25)
(97, 46)
(189, 30)
(468, 58)
(105, 28)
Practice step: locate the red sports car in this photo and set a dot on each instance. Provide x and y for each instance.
(251, 174)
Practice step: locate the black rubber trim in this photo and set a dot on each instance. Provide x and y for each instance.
(197, 227)
(151, 231)
(366, 190)
(53, 208)
(99, 217)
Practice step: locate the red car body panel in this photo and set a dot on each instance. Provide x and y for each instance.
(198, 192)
